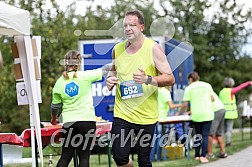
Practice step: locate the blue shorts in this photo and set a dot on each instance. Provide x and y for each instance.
(126, 135)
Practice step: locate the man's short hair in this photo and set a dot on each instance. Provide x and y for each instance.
(137, 13)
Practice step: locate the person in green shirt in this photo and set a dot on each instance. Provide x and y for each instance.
(164, 105)
(72, 93)
(217, 128)
(200, 96)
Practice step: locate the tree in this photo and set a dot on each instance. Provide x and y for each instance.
(57, 33)
(217, 42)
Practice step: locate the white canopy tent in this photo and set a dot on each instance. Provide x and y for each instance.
(16, 22)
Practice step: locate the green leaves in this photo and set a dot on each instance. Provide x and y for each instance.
(217, 43)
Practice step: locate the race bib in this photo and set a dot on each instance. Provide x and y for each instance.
(129, 89)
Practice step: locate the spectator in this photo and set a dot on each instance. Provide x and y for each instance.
(72, 92)
(217, 128)
(227, 96)
(164, 104)
(200, 96)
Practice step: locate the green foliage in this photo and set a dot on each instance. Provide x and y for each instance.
(217, 43)
(11, 116)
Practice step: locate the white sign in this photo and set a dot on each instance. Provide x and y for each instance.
(99, 89)
(22, 97)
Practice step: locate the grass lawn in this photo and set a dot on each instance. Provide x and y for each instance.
(237, 145)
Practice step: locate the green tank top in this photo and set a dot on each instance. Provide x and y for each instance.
(229, 103)
(139, 110)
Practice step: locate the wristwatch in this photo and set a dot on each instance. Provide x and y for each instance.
(149, 79)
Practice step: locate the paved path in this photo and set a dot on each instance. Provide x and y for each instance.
(238, 159)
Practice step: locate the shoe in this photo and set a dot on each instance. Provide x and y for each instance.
(203, 160)
(228, 144)
(210, 156)
(197, 158)
(224, 155)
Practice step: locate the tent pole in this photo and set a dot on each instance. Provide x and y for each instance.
(1, 155)
(27, 64)
(33, 150)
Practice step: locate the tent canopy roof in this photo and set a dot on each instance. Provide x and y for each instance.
(14, 21)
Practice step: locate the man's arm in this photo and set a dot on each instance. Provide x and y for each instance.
(166, 77)
(111, 80)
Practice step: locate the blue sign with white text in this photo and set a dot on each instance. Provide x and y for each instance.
(99, 52)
